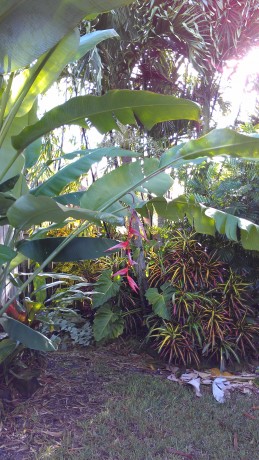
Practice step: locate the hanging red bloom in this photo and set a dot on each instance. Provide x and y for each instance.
(132, 284)
(132, 232)
(123, 245)
(122, 272)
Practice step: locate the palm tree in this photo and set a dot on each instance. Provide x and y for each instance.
(160, 39)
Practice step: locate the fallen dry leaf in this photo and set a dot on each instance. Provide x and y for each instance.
(222, 383)
(215, 372)
(173, 378)
(220, 387)
(172, 369)
(188, 376)
(196, 383)
(204, 375)
(206, 381)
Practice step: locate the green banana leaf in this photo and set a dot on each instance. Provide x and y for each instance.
(9, 184)
(160, 183)
(70, 48)
(89, 41)
(6, 200)
(11, 164)
(102, 111)
(30, 210)
(30, 28)
(57, 60)
(82, 248)
(19, 332)
(73, 198)
(209, 220)
(55, 184)
(113, 186)
(6, 254)
(216, 143)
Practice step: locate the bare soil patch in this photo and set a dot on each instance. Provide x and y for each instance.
(72, 388)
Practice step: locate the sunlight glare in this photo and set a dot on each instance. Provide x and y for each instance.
(237, 87)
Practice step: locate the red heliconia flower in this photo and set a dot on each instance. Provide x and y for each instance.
(123, 245)
(122, 272)
(133, 231)
(132, 284)
(130, 260)
(126, 246)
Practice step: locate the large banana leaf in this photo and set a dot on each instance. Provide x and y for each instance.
(216, 143)
(111, 187)
(55, 184)
(19, 332)
(160, 183)
(89, 41)
(83, 248)
(30, 210)
(209, 220)
(57, 60)
(68, 49)
(29, 28)
(73, 198)
(11, 164)
(103, 111)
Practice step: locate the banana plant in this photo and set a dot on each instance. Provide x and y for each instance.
(29, 70)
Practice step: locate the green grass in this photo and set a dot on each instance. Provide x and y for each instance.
(144, 416)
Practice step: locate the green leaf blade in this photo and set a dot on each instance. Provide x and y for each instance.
(7, 347)
(82, 248)
(19, 332)
(102, 112)
(107, 324)
(106, 287)
(31, 210)
(6, 254)
(159, 302)
(43, 24)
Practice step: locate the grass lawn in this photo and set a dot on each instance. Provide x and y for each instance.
(146, 417)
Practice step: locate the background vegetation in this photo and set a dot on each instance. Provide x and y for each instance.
(147, 75)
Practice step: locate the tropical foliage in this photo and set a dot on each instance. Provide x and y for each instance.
(135, 187)
(204, 309)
